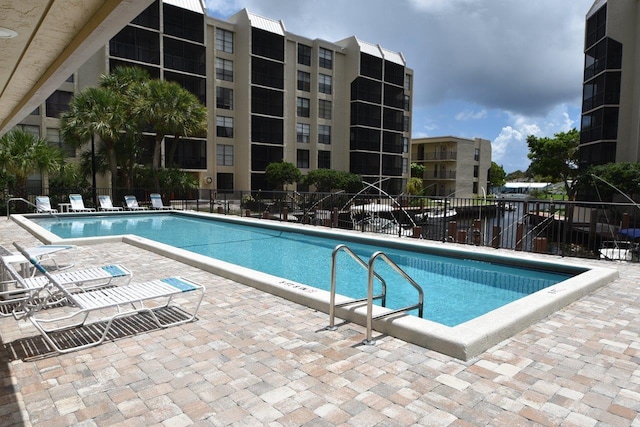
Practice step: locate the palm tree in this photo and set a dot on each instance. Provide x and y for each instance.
(169, 109)
(23, 154)
(106, 112)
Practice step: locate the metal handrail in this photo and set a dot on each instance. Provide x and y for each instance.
(332, 298)
(419, 305)
(16, 199)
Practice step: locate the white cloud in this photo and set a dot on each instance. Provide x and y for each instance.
(471, 115)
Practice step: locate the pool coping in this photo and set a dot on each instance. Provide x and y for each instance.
(463, 341)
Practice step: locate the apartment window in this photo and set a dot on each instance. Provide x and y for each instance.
(58, 103)
(407, 82)
(303, 130)
(33, 130)
(303, 107)
(267, 101)
(324, 109)
(224, 182)
(474, 188)
(407, 103)
(324, 83)
(324, 134)
(324, 159)
(476, 171)
(35, 112)
(224, 155)
(405, 123)
(325, 58)
(304, 81)
(405, 165)
(224, 127)
(304, 54)
(224, 98)
(224, 40)
(302, 159)
(224, 69)
(405, 144)
(476, 154)
(53, 138)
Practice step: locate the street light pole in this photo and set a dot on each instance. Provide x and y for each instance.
(93, 171)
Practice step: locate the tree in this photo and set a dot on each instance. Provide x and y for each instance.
(326, 180)
(106, 111)
(612, 179)
(497, 175)
(556, 158)
(280, 174)
(516, 176)
(169, 109)
(23, 154)
(417, 170)
(415, 186)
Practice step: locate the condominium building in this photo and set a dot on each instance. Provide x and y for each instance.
(610, 130)
(271, 96)
(453, 167)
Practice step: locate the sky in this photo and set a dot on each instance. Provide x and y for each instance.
(495, 69)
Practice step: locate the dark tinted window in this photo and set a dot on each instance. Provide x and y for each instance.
(391, 165)
(224, 182)
(137, 44)
(190, 153)
(392, 142)
(193, 84)
(183, 23)
(364, 163)
(267, 44)
(596, 26)
(262, 155)
(267, 130)
(371, 66)
(58, 103)
(184, 56)
(304, 54)
(365, 114)
(154, 72)
(394, 73)
(267, 101)
(364, 139)
(267, 73)
(324, 159)
(363, 89)
(393, 96)
(393, 119)
(150, 17)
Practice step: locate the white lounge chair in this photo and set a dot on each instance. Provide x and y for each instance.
(131, 203)
(43, 205)
(109, 304)
(156, 202)
(17, 288)
(77, 204)
(106, 204)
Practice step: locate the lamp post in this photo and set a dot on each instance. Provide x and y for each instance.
(93, 172)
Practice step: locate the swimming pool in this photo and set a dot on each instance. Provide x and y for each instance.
(460, 287)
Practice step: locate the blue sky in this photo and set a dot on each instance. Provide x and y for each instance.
(494, 69)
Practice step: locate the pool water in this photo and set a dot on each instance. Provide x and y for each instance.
(455, 290)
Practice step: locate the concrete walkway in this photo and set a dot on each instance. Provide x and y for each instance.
(255, 359)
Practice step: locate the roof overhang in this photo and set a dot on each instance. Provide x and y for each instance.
(54, 38)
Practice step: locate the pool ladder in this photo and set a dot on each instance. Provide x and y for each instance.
(371, 273)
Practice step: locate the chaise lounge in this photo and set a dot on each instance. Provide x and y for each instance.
(108, 305)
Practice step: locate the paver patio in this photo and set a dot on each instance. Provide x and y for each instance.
(252, 358)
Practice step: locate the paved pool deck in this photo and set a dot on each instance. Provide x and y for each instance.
(252, 358)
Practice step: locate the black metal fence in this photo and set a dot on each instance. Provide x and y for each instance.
(579, 229)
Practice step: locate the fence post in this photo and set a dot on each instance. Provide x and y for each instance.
(335, 217)
(495, 241)
(453, 229)
(519, 236)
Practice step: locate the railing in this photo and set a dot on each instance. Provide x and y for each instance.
(419, 305)
(558, 227)
(332, 298)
